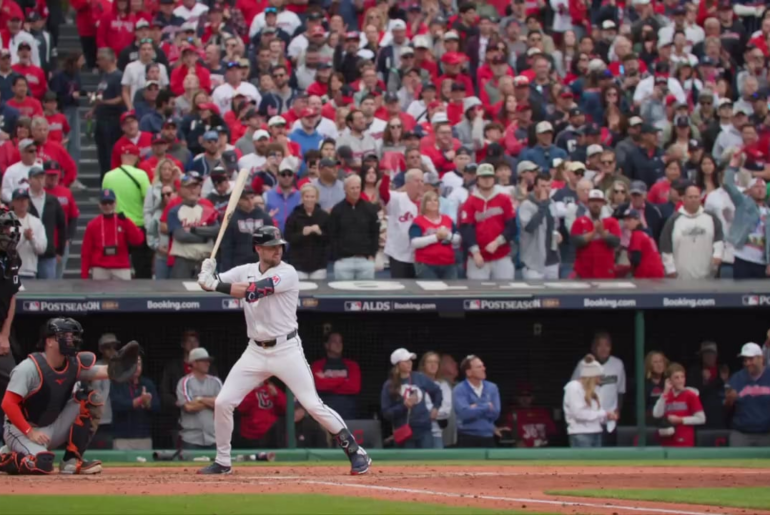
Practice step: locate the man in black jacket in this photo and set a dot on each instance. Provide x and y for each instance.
(346, 57)
(237, 247)
(354, 232)
(652, 218)
(48, 209)
(645, 162)
(10, 234)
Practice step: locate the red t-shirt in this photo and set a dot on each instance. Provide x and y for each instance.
(650, 265)
(684, 404)
(36, 79)
(597, 259)
(439, 253)
(58, 126)
(28, 107)
(532, 426)
(260, 409)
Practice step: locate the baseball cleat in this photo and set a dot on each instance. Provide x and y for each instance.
(74, 466)
(216, 469)
(359, 463)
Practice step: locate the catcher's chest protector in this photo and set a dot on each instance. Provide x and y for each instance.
(43, 406)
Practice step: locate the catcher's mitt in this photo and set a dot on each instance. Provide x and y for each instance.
(123, 365)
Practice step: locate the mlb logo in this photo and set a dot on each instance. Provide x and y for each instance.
(353, 305)
(231, 304)
(32, 306)
(751, 300)
(473, 304)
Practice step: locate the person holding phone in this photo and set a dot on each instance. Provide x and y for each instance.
(747, 393)
(680, 409)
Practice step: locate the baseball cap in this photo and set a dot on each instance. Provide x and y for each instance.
(682, 121)
(521, 81)
(169, 122)
(749, 350)
(398, 24)
(33, 16)
(451, 35)
(52, 167)
(218, 171)
(593, 150)
(421, 42)
(591, 129)
(211, 136)
(458, 86)
(327, 162)
(724, 102)
(707, 347)
(199, 354)
(209, 106)
(463, 150)
(576, 166)
(526, 166)
(34, 171)
(432, 179)
(317, 31)
(632, 213)
(315, 15)
(401, 354)
(25, 144)
(407, 51)
(543, 127)
(649, 129)
(593, 369)
(471, 102)
(230, 160)
(258, 135)
(609, 25)
(20, 193)
(151, 83)
(190, 178)
(738, 109)
(276, 121)
(635, 121)
(638, 187)
(128, 114)
(141, 24)
(289, 163)
(596, 195)
(24, 44)
(107, 196)
(485, 170)
(694, 144)
(439, 117)
(159, 140)
(575, 111)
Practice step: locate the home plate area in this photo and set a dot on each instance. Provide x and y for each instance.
(519, 488)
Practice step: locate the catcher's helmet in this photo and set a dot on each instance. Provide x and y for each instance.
(10, 232)
(267, 236)
(68, 332)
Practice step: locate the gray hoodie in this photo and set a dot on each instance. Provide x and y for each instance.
(537, 224)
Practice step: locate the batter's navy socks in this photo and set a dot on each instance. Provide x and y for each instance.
(216, 469)
(359, 460)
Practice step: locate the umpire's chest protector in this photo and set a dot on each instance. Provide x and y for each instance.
(43, 405)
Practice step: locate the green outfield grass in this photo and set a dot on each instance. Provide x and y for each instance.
(732, 463)
(736, 497)
(221, 504)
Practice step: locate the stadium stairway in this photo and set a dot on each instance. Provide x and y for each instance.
(88, 167)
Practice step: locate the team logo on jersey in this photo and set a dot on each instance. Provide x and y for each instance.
(265, 401)
(276, 280)
(412, 390)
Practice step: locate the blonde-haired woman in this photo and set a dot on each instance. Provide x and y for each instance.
(429, 365)
(433, 235)
(162, 191)
(655, 365)
(306, 231)
(582, 408)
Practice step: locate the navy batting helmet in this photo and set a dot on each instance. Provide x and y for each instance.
(267, 236)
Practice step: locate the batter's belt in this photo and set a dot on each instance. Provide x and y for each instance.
(272, 343)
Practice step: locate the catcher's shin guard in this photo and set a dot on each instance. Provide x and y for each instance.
(9, 463)
(86, 424)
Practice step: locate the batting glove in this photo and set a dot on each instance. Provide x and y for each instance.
(207, 281)
(209, 266)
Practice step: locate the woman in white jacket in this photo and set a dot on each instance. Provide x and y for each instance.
(429, 365)
(582, 408)
(33, 239)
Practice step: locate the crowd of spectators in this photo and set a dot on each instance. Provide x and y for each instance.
(443, 404)
(436, 139)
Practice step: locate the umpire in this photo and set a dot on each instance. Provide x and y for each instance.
(10, 234)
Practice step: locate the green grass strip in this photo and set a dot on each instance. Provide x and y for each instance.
(734, 497)
(223, 504)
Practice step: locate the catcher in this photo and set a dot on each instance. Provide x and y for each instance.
(48, 402)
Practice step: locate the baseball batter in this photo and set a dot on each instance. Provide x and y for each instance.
(41, 410)
(270, 292)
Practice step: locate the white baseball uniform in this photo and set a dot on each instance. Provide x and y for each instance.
(273, 317)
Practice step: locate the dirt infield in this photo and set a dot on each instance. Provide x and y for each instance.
(515, 488)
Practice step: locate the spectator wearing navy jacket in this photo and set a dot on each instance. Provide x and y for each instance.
(132, 406)
(748, 392)
(432, 235)
(403, 400)
(338, 380)
(477, 405)
(282, 200)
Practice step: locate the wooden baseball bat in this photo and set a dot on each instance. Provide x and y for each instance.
(235, 196)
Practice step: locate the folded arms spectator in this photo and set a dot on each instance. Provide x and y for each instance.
(476, 404)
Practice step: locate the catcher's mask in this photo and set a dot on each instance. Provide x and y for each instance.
(10, 233)
(68, 333)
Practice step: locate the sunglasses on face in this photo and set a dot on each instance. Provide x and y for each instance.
(273, 154)
(167, 194)
(619, 191)
(608, 162)
(286, 174)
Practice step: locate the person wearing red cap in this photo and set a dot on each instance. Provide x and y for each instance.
(71, 212)
(453, 62)
(105, 250)
(190, 66)
(9, 10)
(131, 135)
